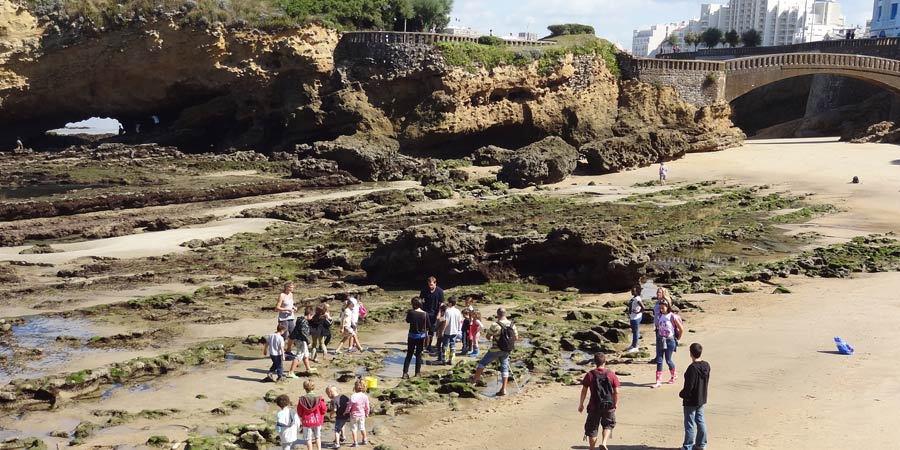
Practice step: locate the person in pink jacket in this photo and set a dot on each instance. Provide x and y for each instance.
(359, 410)
(311, 409)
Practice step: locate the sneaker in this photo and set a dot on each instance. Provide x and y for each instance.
(405, 376)
(354, 444)
(291, 376)
(500, 393)
(363, 442)
(273, 377)
(338, 352)
(632, 350)
(473, 354)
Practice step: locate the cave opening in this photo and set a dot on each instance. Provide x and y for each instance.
(93, 126)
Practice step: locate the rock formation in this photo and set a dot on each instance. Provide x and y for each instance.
(550, 160)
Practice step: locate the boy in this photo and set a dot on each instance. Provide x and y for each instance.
(312, 409)
(274, 349)
(696, 383)
(286, 422)
(600, 414)
(301, 335)
(341, 405)
(452, 325)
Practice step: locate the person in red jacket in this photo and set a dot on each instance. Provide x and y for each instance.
(311, 409)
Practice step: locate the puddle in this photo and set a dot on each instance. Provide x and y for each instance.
(40, 331)
(513, 386)
(136, 389)
(648, 290)
(393, 364)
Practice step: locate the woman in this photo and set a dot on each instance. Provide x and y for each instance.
(668, 328)
(635, 314)
(415, 340)
(286, 310)
(320, 327)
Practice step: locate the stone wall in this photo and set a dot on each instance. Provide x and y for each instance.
(394, 57)
(699, 82)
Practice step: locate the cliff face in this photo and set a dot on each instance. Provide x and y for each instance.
(244, 88)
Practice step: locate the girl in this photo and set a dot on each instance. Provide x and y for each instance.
(415, 339)
(635, 314)
(439, 324)
(286, 422)
(667, 330)
(320, 327)
(286, 310)
(348, 335)
(359, 410)
(475, 332)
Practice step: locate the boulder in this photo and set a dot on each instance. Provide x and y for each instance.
(365, 156)
(550, 160)
(634, 150)
(491, 155)
(310, 168)
(450, 255)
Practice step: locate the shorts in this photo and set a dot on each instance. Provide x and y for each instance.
(288, 326)
(493, 355)
(598, 418)
(313, 434)
(302, 350)
(339, 425)
(359, 424)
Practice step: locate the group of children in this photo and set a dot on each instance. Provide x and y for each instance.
(470, 329)
(310, 416)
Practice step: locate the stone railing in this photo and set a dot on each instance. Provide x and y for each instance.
(859, 62)
(835, 46)
(396, 37)
(642, 64)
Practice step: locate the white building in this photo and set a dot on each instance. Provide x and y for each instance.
(885, 20)
(461, 31)
(647, 43)
(528, 36)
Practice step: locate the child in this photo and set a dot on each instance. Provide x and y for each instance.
(348, 334)
(359, 410)
(470, 305)
(312, 411)
(341, 406)
(301, 335)
(286, 422)
(440, 324)
(274, 349)
(467, 341)
(320, 328)
(475, 332)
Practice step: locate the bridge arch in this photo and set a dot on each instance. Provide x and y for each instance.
(746, 74)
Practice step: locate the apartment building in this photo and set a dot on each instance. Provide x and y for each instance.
(885, 20)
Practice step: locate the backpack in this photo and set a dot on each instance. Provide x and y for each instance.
(507, 339)
(362, 311)
(603, 391)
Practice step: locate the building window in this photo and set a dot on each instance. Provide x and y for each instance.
(893, 11)
(878, 15)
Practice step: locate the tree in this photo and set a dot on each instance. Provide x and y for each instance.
(569, 28)
(432, 14)
(672, 40)
(711, 37)
(751, 38)
(692, 39)
(732, 38)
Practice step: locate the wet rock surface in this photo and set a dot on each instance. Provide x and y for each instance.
(548, 161)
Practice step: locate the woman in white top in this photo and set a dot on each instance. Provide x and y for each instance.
(635, 315)
(286, 310)
(668, 328)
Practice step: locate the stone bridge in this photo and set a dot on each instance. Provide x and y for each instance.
(883, 48)
(703, 82)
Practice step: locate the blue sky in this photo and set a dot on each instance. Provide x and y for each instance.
(613, 19)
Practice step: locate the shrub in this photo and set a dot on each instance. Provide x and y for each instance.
(490, 40)
(469, 55)
(570, 28)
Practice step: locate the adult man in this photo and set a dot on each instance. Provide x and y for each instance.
(452, 331)
(696, 381)
(499, 333)
(603, 384)
(433, 298)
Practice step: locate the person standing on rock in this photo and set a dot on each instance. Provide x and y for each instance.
(667, 330)
(503, 334)
(696, 383)
(286, 310)
(19, 145)
(415, 339)
(635, 315)
(603, 385)
(663, 173)
(432, 299)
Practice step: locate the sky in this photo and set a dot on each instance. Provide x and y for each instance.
(612, 19)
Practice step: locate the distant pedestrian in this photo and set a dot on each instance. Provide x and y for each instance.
(312, 409)
(359, 410)
(286, 422)
(504, 335)
(603, 385)
(274, 349)
(663, 173)
(19, 145)
(635, 315)
(668, 329)
(452, 331)
(355, 309)
(696, 383)
(432, 299)
(415, 338)
(475, 332)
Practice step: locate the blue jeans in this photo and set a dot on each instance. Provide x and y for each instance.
(670, 347)
(635, 332)
(448, 342)
(277, 366)
(694, 422)
(493, 355)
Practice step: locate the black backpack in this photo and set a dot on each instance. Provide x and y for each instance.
(507, 339)
(603, 391)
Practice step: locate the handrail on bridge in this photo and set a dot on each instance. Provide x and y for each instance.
(776, 49)
(814, 59)
(400, 37)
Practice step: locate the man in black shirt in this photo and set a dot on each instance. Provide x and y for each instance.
(433, 298)
(696, 381)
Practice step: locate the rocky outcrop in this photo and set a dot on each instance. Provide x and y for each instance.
(550, 160)
(633, 151)
(365, 156)
(491, 155)
(881, 132)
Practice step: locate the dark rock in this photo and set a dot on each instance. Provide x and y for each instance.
(335, 258)
(616, 335)
(367, 157)
(492, 155)
(550, 160)
(567, 345)
(589, 336)
(579, 315)
(634, 150)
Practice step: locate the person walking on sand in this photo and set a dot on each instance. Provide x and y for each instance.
(663, 173)
(504, 335)
(302, 337)
(696, 383)
(341, 405)
(415, 338)
(667, 330)
(274, 349)
(359, 410)
(286, 310)
(603, 385)
(311, 409)
(320, 328)
(354, 319)
(635, 315)
(348, 335)
(432, 299)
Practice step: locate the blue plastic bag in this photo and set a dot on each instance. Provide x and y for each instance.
(843, 347)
